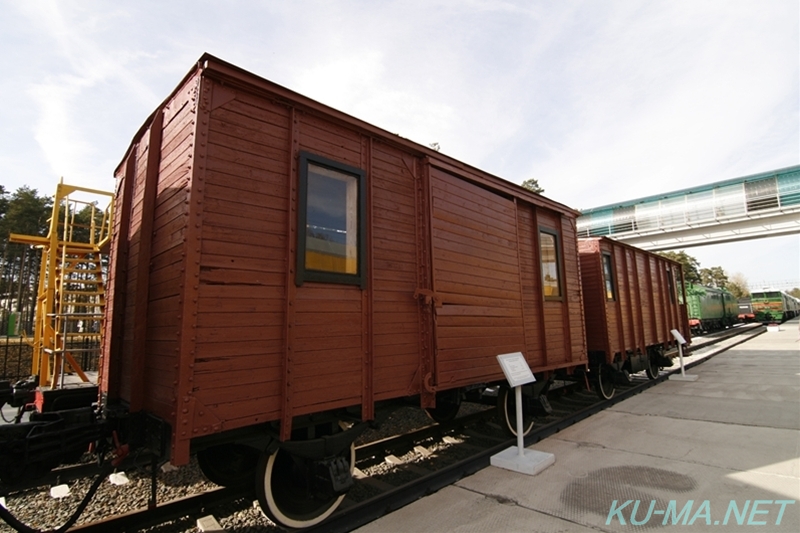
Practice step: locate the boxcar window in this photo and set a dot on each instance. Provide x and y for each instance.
(551, 285)
(330, 232)
(608, 276)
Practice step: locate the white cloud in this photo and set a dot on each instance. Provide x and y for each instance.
(600, 101)
(61, 147)
(671, 94)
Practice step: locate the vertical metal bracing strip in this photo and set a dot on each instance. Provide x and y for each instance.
(537, 267)
(367, 296)
(291, 289)
(672, 300)
(424, 279)
(561, 263)
(629, 295)
(664, 297)
(519, 275)
(654, 317)
(618, 308)
(187, 318)
(675, 299)
(579, 289)
(141, 298)
(658, 296)
(434, 348)
(638, 293)
(115, 312)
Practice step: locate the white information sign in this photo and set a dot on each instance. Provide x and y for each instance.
(517, 458)
(678, 336)
(684, 376)
(516, 369)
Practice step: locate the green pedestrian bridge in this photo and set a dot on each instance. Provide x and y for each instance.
(750, 207)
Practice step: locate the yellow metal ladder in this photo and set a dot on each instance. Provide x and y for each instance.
(71, 295)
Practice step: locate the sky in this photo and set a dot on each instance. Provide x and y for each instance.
(600, 101)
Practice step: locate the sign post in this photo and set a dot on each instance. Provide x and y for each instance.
(684, 376)
(517, 458)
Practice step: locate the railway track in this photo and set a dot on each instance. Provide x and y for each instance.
(701, 341)
(390, 472)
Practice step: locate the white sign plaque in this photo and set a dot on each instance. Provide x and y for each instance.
(678, 336)
(516, 369)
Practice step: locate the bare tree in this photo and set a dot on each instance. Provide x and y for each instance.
(738, 286)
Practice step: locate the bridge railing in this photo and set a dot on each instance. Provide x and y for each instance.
(746, 198)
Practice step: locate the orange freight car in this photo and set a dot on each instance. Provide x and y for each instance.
(632, 301)
(279, 268)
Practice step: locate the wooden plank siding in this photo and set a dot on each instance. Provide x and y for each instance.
(324, 377)
(476, 279)
(602, 332)
(395, 311)
(170, 212)
(243, 266)
(533, 303)
(556, 325)
(573, 310)
(233, 338)
(140, 359)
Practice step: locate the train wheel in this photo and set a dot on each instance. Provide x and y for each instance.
(652, 365)
(605, 382)
(229, 465)
(447, 405)
(507, 411)
(288, 493)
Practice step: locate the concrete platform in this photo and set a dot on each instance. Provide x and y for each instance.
(718, 454)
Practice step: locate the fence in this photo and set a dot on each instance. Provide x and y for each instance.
(16, 356)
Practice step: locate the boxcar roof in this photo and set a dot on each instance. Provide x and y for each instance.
(592, 245)
(234, 76)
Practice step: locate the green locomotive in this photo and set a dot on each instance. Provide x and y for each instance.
(774, 306)
(710, 308)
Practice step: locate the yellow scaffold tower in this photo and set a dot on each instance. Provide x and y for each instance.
(71, 296)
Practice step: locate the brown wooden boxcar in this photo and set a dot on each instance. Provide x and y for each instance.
(274, 258)
(633, 299)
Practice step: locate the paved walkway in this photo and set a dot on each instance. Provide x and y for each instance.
(718, 454)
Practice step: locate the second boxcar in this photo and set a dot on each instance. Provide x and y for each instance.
(633, 299)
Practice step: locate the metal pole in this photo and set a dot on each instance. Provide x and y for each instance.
(520, 439)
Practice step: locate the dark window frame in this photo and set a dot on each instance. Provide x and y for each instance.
(608, 276)
(304, 274)
(559, 263)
